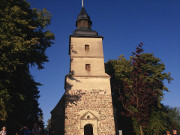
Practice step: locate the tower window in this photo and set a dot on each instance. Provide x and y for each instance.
(86, 47)
(88, 68)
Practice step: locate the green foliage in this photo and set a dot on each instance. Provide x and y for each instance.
(4, 99)
(24, 39)
(157, 124)
(173, 116)
(137, 88)
(48, 127)
(163, 119)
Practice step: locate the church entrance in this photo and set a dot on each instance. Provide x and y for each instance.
(88, 129)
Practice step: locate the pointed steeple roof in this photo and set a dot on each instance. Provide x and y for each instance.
(83, 24)
(83, 16)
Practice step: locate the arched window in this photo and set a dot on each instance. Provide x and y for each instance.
(88, 129)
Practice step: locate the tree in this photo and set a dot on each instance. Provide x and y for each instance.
(49, 124)
(137, 85)
(24, 39)
(163, 119)
(173, 118)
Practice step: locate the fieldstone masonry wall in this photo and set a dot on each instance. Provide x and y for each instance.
(92, 107)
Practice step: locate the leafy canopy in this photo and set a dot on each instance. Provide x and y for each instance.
(24, 38)
(137, 85)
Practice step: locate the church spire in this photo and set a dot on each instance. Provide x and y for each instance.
(84, 23)
(83, 20)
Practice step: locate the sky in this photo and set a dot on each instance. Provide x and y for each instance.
(124, 24)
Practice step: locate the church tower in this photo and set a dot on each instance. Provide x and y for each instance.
(88, 109)
(87, 101)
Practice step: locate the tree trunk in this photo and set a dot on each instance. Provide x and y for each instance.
(141, 130)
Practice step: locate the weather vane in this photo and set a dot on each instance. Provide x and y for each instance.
(82, 3)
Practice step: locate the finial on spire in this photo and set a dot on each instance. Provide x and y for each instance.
(82, 3)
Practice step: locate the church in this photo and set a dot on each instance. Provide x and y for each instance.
(86, 106)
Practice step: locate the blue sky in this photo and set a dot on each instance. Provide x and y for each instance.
(124, 24)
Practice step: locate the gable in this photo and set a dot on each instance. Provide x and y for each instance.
(89, 116)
